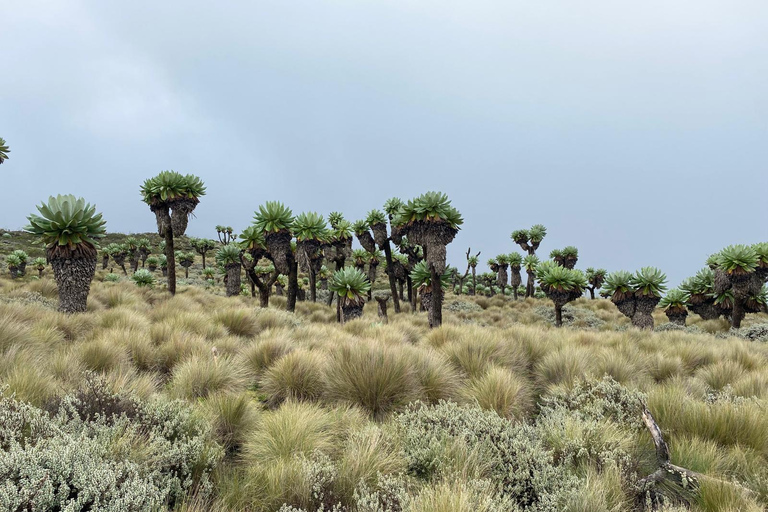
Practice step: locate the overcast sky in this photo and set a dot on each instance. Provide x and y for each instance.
(636, 131)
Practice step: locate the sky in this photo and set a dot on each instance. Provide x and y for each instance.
(636, 131)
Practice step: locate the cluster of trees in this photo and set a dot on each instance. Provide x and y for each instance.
(409, 238)
(271, 250)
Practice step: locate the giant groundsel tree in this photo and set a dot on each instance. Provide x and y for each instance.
(69, 228)
(431, 222)
(172, 197)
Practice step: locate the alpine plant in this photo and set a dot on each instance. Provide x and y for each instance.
(636, 295)
(561, 285)
(351, 286)
(69, 227)
(172, 197)
(431, 222)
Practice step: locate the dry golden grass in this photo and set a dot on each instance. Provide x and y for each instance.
(287, 393)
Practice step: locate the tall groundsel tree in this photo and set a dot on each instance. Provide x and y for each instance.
(228, 258)
(351, 286)
(311, 232)
(431, 222)
(275, 220)
(736, 272)
(69, 228)
(422, 281)
(4, 150)
(561, 285)
(172, 197)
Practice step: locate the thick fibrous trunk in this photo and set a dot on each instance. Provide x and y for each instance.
(181, 210)
(382, 301)
(591, 292)
(474, 281)
(104, 261)
(530, 288)
(366, 240)
(293, 287)
(170, 257)
(279, 247)
(73, 279)
(644, 307)
(514, 280)
(351, 309)
(502, 278)
(380, 234)
(676, 316)
(233, 279)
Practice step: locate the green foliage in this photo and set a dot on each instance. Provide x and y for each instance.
(3, 150)
(143, 277)
(472, 261)
(761, 250)
(227, 255)
(492, 262)
(649, 281)
(596, 277)
(310, 226)
(273, 216)
(556, 253)
(360, 256)
(512, 455)
(570, 252)
(183, 258)
(111, 278)
(392, 205)
(537, 233)
(252, 238)
(700, 284)
(202, 245)
(208, 273)
(502, 259)
(22, 255)
(163, 261)
(421, 276)
(103, 450)
(619, 281)
(375, 217)
(738, 259)
(555, 277)
(520, 236)
(13, 261)
(431, 206)
(515, 259)
(343, 230)
(170, 186)
(349, 283)
(153, 261)
(334, 218)
(66, 221)
(675, 298)
(530, 262)
(360, 227)
(39, 263)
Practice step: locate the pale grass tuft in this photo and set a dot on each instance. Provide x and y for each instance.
(298, 375)
(504, 392)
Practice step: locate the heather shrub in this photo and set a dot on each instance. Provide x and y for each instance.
(102, 451)
(518, 463)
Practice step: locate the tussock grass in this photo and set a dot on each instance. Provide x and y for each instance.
(304, 407)
(378, 378)
(504, 392)
(200, 376)
(298, 375)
